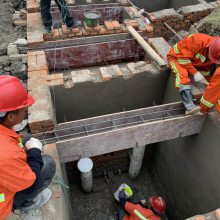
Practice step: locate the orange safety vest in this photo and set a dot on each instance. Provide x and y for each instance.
(192, 53)
(211, 96)
(15, 173)
(137, 212)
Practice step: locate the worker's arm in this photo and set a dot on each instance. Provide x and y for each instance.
(130, 207)
(211, 95)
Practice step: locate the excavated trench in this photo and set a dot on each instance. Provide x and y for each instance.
(161, 173)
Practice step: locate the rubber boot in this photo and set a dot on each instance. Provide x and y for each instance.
(186, 95)
(38, 201)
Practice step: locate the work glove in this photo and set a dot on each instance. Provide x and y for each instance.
(33, 143)
(198, 77)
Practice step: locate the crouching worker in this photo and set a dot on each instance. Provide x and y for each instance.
(24, 173)
(193, 56)
(211, 96)
(142, 211)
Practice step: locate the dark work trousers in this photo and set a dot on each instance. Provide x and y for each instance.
(63, 8)
(48, 170)
(121, 213)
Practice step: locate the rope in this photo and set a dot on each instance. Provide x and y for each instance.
(58, 180)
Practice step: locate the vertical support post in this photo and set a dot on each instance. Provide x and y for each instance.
(85, 166)
(136, 161)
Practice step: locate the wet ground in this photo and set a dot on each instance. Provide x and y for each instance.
(100, 204)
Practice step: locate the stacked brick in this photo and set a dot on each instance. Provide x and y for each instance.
(109, 27)
(41, 113)
(33, 6)
(180, 20)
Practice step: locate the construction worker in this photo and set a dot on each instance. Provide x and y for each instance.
(46, 15)
(211, 96)
(193, 56)
(24, 173)
(131, 211)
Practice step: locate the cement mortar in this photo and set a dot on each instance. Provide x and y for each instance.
(188, 168)
(91, 99)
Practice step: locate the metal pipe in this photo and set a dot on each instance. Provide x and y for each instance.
(136, 161)
(85, 166)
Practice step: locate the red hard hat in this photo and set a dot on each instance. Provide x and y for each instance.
(158, 204)
(214, 50)
(13, 95)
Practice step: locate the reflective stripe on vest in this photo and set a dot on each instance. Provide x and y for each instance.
(140, 215)
(201, 57)
(206, 103)
(175, 47)
(2, 197)
(20, 144)
(219, 102)
(172, 64)
(190, 35)
(182, 61)
(205, 73)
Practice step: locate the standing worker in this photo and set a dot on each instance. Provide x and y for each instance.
(24, 173)
(131, 211)
(46, 15)
(211, 96)
(193, 56)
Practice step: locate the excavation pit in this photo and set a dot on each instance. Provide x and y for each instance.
(109, 172)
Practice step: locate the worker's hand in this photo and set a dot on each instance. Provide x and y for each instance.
(198, 77)
(33, 143)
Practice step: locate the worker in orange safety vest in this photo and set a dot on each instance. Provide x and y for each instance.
(24, 172)
(193, 56)
(211, 96)
(131, 211)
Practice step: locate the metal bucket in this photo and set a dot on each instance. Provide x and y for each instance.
(92, 18)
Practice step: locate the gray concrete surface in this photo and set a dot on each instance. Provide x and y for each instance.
(118, 94)
(188, 168)
(157, 5)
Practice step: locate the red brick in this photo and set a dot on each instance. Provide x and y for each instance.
(116, 25)
(97, 28)
(64, 29)
(56, 34)
(79, 34)
(75, 30)
(108, 25)
(84, 32)
(88, 29)
(102, 31)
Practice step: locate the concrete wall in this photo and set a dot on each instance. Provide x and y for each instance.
(157, 5)
(188, 169)
(177, 3)
(91, 99)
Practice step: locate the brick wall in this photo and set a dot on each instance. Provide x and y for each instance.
(91, 54)
(179, 20)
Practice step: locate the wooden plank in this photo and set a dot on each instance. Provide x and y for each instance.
(125, 138)
(148, 49)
